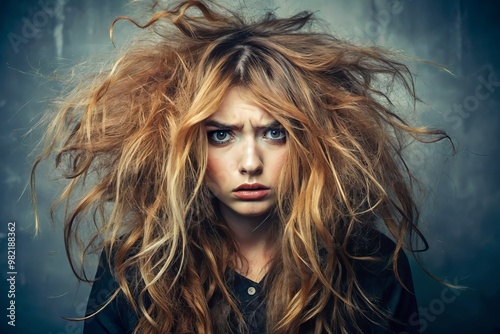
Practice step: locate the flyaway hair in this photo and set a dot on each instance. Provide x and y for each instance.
(132, 137)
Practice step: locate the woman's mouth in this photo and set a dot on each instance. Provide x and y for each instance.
(252, 191)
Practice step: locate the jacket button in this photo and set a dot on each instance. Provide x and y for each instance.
(251, 291)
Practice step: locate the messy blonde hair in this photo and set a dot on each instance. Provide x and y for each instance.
(136, 133)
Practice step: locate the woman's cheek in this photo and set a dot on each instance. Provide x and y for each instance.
(218, 176)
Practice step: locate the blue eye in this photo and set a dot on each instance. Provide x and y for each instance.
(219, 136)
(275, 134)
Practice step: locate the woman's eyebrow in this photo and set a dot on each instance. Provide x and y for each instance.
(221, 125)
(273, 124)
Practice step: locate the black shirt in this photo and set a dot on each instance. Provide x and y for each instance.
(377, 279)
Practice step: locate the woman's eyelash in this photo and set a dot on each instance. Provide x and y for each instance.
(212, 136)
(280, 131)
(223, 136)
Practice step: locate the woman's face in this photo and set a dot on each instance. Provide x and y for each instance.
(246, 151)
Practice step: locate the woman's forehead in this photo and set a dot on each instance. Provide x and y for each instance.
(239, 106)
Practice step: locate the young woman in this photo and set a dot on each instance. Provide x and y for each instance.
(237, 175)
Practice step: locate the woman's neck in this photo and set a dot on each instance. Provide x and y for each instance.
(252, 235)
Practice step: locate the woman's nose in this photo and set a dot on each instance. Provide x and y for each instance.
(251, 161)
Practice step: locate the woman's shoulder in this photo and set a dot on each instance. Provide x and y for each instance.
(108, 314)
(375, 255)
(372, 243)
(390, 287)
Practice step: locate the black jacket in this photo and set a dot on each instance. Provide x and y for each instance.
(377, 279)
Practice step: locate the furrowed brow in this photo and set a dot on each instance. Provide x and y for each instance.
(273, 124)
(220, 125)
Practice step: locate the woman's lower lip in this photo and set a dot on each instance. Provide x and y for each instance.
(251, 193)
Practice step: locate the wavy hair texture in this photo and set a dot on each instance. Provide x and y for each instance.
(133, 136)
